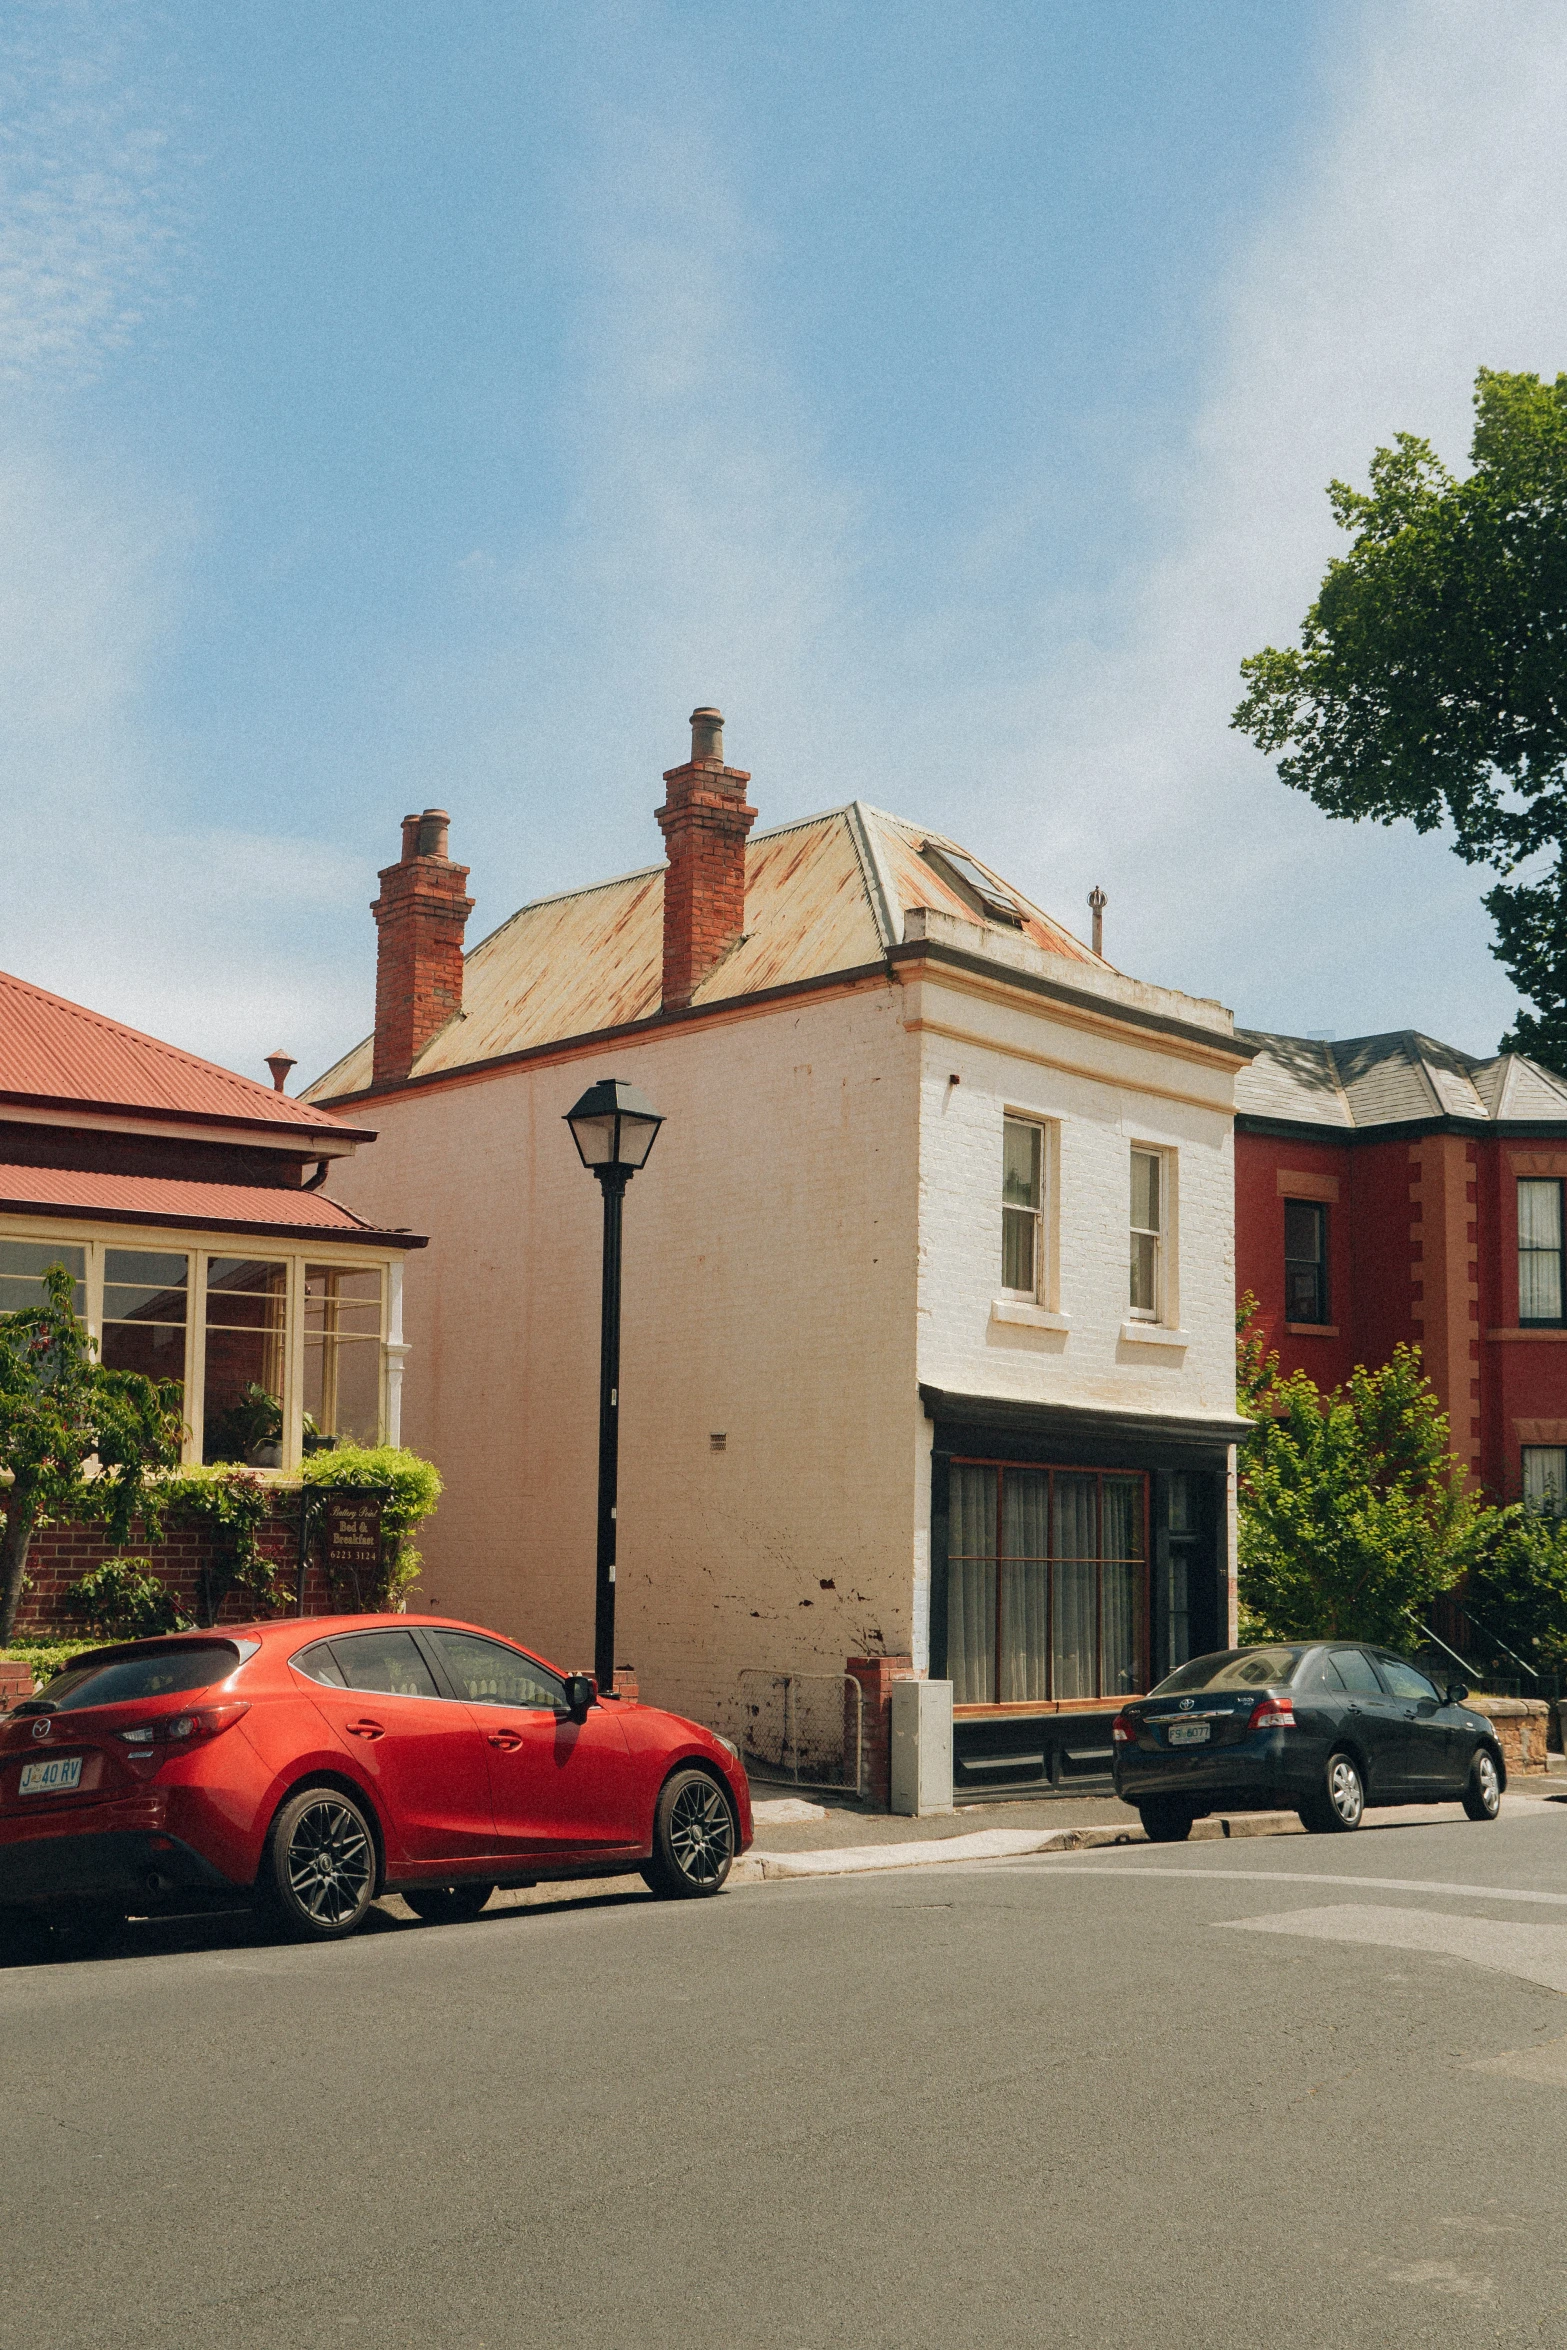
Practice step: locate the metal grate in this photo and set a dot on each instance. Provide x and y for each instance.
(803, 1729)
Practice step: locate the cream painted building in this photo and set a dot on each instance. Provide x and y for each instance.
(928, 1300)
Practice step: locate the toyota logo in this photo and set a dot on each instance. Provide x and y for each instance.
(1187, 1703)
(42, 1727)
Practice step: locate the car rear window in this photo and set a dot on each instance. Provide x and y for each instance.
(1232, 1668)
(162, 1673)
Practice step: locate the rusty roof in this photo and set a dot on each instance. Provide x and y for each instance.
(826, 894)
(171, 1199)
(62, 1056)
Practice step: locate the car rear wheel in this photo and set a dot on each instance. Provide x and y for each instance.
(1339, 1805)
(694, 1838)
(319, 1873)
(448, 1905)
(34, 1937)
(1483, 1794)
(1167, 1822)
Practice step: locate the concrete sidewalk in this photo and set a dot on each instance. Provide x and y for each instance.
(823, 1837)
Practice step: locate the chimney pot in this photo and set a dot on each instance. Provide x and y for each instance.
(707, 735)
(434, 825)
(280, 1064)
(410, 839)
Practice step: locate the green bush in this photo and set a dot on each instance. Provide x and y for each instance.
(409, 1487)
(125, 1600)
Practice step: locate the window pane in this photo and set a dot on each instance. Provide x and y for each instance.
(1145, 1273)
(1303, 1223)
(1018, 1227)
(241, 1399)
(488, 1674)
(343, 1352)
(145, 1294)
(1123, 1518)
(1145, 1191)
(1025, 1503)
(1540, 1215)
(1403, 1680)
(388, 1662)
(1539, 1252)
(1122, 1584)
(24, 1262)
(1075, 1547)
(320, 1664)
(1355, 1671)
(971, 1586)
(1545, 1477)
(1021, 1164)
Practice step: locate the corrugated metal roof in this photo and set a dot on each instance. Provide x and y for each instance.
(1393, 1080)
(828, 893)
(249, 1207)
(54, 1051)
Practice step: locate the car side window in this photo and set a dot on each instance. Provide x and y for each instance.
(1403, 1680)
(489, 1674)
(1323, 1673)
(1356, 1673)
(387, 1662)
(320, 1665)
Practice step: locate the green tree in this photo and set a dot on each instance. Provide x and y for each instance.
(1431, 677)
(1354, 1514)
(76, 1440)
(1515, 1595)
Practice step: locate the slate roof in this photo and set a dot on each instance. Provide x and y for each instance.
(1396, 1080)
(825, 894)
(62, 1055)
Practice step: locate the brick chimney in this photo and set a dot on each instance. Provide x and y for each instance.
(420, 915)
(704, 821)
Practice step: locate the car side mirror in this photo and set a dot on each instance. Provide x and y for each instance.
(580, 1693)
(1455, 1693)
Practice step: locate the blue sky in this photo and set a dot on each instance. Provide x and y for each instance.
(427, 404)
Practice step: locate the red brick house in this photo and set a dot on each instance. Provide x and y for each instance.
(1392, 1188)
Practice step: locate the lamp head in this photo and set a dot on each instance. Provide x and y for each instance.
(614, 1125)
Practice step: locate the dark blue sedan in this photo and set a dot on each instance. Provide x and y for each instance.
(1323, 1728)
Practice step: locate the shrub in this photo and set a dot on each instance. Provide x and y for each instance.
(124, 1600)
(409, 1487)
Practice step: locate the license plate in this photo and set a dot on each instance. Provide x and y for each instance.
(1188, 1733)
(54, 1777)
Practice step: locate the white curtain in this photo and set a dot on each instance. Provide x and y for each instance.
(971, 1586)
(1025, 1497)
(1075, 1546)
(1540, 1252)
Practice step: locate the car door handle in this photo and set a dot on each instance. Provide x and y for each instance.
(507, 1740)
(365, 1728)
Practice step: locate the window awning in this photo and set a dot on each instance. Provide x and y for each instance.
(189, 1206)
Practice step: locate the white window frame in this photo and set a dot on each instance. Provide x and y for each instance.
(1038, 1291)
(1164, 1309)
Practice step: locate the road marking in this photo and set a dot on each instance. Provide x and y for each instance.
(1076, 1867)
(1536, 1954)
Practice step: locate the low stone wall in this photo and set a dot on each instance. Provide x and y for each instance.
(1522, 1726)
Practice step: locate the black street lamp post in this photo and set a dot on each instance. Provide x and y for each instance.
(614, 1128)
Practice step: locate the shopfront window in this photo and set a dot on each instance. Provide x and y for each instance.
(342, 1354)
(23, 1264)
(242, 1397)
(145, 1309)
(1046, 1584)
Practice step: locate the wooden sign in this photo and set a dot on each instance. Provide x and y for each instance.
(353, 1532)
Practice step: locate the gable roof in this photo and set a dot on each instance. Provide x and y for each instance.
(1399, 1079)
(58, 1055)
(824, 895)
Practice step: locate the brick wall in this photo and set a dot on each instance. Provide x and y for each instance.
(61, 1554)
(704, 821)
(420, 916)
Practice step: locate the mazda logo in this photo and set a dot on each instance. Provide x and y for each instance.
(42, 1727)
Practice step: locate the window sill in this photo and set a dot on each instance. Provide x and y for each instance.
(1028, 1317)
(1312, 1329)
(1153, 1334)
(1546, 1330)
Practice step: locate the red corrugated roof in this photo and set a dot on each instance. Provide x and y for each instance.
(54, 1051)
(167, 1199)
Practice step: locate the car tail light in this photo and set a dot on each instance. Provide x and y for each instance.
(1125, 1730)
(1272, 1713)
(177, 1730)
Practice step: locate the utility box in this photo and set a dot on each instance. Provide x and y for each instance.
(921, 1771)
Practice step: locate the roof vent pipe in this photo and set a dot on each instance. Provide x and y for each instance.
(280, 1064)
(1097, 902)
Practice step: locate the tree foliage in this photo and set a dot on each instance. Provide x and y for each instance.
(1431, 677)
(76, 1440)
(1354, 1514)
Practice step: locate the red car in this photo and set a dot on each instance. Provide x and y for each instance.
(321, 1761)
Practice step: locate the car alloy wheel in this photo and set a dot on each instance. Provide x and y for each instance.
(693, 1837)
(1483, 1794)
(323, 1865)
(1339, 1805)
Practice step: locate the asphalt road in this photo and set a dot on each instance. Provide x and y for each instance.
(1212, 2095)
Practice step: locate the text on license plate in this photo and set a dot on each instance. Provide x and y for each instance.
(53, 1777)
(1187, 1733)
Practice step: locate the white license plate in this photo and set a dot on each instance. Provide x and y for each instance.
(54, 1777)
(1188, 1733)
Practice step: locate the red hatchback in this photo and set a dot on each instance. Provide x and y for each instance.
(322, 1761)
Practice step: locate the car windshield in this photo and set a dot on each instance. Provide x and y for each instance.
(1232, 1668)
(117, 1680)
